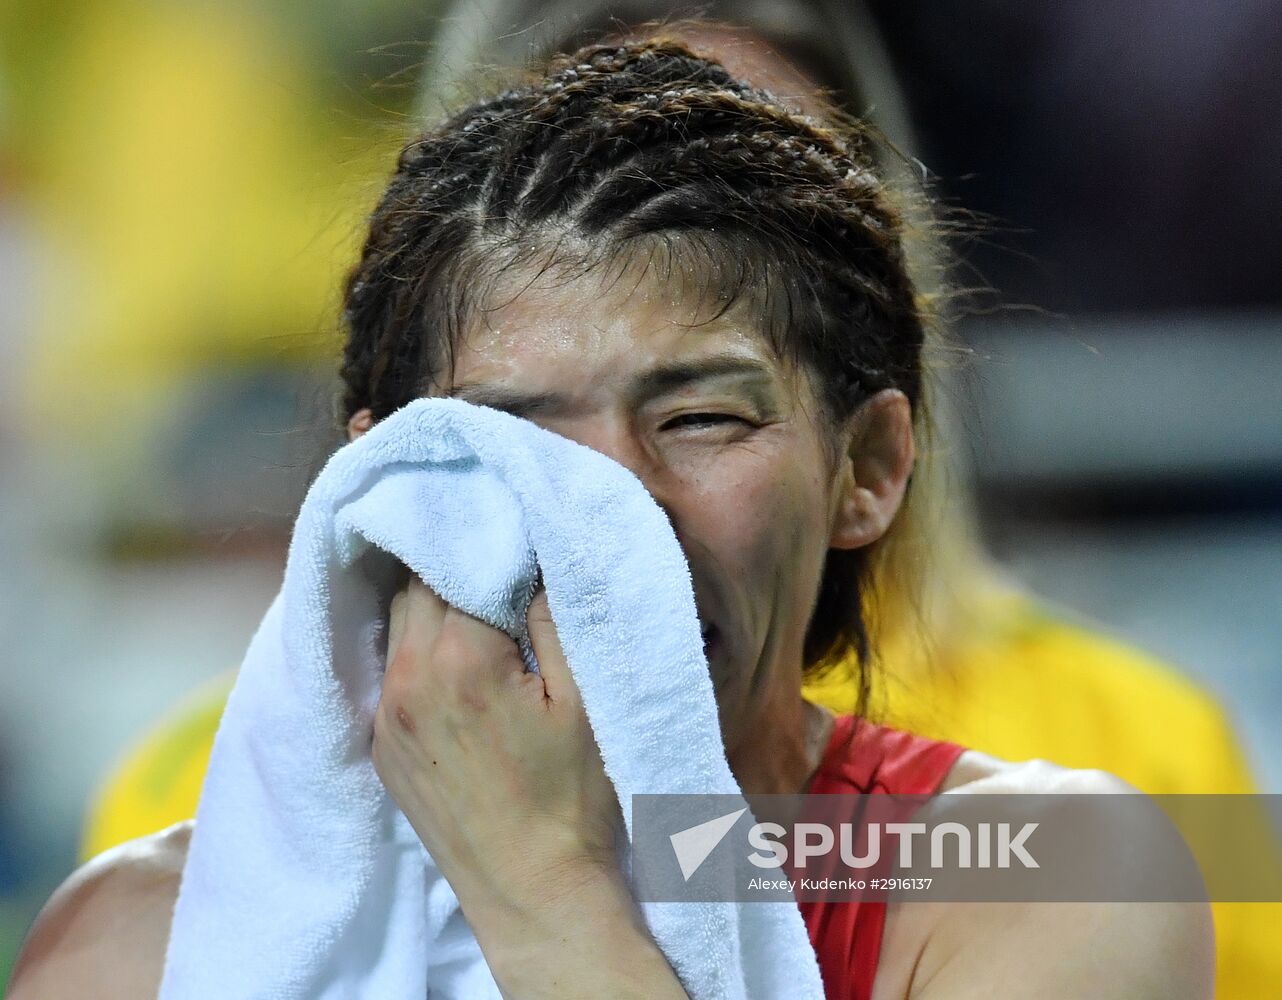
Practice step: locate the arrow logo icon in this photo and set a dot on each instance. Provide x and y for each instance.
(692, 846)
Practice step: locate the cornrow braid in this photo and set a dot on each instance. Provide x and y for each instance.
(618, 147)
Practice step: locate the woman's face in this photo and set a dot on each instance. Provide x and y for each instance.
(725, 437)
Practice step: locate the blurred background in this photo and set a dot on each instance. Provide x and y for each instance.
(182, 185)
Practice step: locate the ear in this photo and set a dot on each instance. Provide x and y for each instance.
(873, 473)
(360, 422)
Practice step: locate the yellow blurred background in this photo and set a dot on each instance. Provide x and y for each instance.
(181, 188)
(193, 179)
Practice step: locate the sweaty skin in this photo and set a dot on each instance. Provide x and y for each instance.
(728, 440)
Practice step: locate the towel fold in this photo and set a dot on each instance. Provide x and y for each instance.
(303, 879)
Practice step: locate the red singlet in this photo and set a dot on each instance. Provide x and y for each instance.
(866, 758)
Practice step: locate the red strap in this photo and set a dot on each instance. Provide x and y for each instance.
(862, 757)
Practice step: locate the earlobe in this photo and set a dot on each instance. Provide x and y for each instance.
(359, 422)
(874, 478)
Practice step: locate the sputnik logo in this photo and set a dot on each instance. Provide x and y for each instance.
(693, 845)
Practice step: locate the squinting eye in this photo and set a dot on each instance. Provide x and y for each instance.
(703, 420)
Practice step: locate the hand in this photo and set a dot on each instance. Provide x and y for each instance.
(496, 769)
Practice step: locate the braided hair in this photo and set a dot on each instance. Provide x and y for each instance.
(623, 148)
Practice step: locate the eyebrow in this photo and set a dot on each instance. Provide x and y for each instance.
(660, 381)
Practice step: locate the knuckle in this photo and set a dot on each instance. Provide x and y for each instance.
(399, 679)
(399, 706)
(453, 650)
(457, 671)
(469, 693)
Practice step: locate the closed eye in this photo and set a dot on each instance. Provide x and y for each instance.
(697, 420)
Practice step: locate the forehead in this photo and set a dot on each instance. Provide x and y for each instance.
(597, 330)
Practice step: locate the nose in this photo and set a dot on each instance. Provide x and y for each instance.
(614, 439)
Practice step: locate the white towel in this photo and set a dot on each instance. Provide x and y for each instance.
(303, 879)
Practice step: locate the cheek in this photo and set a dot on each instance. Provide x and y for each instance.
(758, 518)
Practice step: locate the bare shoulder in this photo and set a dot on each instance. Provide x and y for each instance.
(103, 932)
(1044, 950)
(978, 773)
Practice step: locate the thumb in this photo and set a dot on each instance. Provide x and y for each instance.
(557, 680)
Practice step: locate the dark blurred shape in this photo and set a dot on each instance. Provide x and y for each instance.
(11, 850)
(1135, 145)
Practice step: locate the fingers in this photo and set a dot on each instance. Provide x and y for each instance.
(427, 637)
(557, 679)
(415, 617)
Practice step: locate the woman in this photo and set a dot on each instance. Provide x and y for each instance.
(641, 253)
